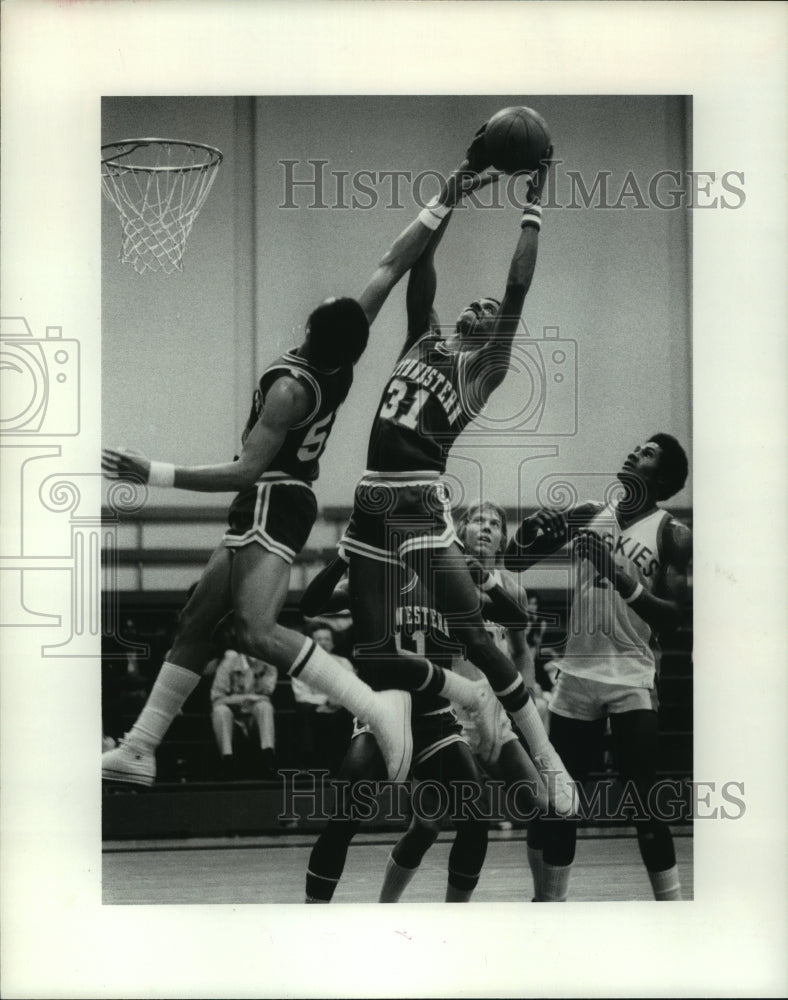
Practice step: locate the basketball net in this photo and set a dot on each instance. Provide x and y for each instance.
(159, 187)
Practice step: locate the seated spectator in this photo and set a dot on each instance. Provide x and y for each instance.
(241, 704)
(323, 729)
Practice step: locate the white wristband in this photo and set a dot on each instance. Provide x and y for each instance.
(435, 206)
(433, 214)
(634, 595)
(493, 580)
(532, 216)
(161, 474)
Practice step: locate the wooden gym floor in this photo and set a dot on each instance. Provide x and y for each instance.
(271, 870)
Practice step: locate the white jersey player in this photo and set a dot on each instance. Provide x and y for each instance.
(632, 565)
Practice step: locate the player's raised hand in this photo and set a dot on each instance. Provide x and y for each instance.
(472, 181)
(476, 154)
(588, 545)
(124, 463)
(551, 523)
(539, 176)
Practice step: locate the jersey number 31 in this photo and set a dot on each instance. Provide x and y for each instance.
(402, 405)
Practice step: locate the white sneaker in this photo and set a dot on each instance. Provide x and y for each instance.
(128, 764)
(485, 715)
(561, 791)
(391, 729)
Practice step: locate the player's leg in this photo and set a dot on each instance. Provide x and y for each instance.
(363, 760)
(407, 854)
(444, 571)
(526, 796)
(374, 593)
(260, 582)
(552, 840)
(525, 789)
(134, 760)
(454, 768)
(634, 737)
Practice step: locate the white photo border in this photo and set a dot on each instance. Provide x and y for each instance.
(59, 59)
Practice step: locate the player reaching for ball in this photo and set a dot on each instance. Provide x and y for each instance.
(401, 513)
(272, 515)
(632, 564)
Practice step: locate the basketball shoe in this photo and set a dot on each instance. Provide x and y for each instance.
(130, 764)
(391, 727)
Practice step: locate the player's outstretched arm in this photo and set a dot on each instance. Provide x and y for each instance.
(413, 241)
(660, 610)
(544, 533)
(423, 280)
(504, 599)
(495, 355)
(287, 403)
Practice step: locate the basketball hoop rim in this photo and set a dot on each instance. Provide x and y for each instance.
(115, 162)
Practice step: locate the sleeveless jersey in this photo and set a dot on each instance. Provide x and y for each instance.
(426, 404)
(305, 442)
(607, 640)
(421, 630)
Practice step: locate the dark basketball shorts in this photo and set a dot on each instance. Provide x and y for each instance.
(277, 513)
(395, 514)
(432, 731)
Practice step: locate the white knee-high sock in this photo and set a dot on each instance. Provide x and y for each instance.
(320, 671)
(395, 881)
(666, 885)
(457, 689)
(530, 725)
(555, 883)
(170, 690)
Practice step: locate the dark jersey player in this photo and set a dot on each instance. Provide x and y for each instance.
(632, 564)
(271, 517)
(401, 513)
(482, 530)
(440, 756)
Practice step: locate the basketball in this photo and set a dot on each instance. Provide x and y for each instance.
(516, 139)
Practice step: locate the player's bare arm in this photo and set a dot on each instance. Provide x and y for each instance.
(423, 280)
(659, 611)
(287, 403)
(544, 533)
(504, 600)
(412, 242)
(493, 358)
